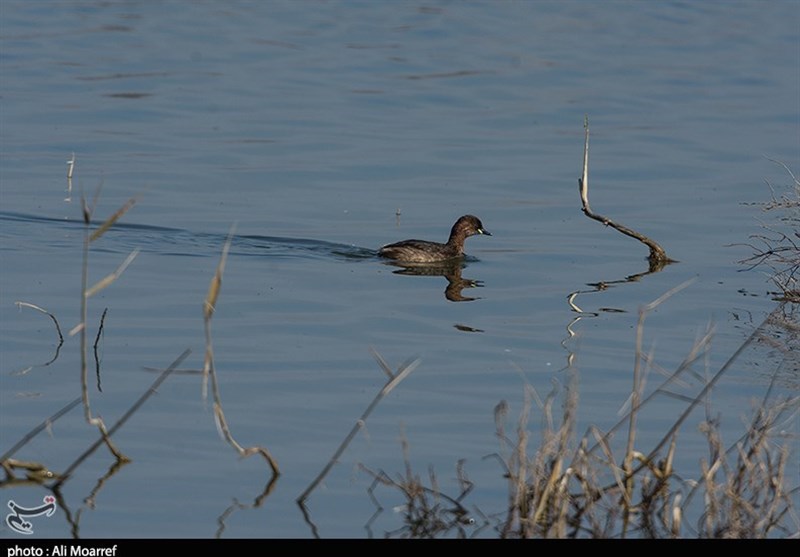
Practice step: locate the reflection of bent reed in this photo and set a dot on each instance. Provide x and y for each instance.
(451, 270)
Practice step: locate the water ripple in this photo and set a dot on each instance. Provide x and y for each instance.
(163, 240)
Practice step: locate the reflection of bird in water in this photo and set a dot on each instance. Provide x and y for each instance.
(422, 251)
(451, 270)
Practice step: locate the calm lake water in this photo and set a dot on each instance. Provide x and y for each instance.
(321, 131)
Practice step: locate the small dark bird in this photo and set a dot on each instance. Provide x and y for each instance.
(422, 251)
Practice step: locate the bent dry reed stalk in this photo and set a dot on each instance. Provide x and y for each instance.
(658, 257)
(209, 370)
(88, 292)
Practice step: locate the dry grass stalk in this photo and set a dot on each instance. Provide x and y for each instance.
(750, 499)
(109, 279)
(106, 435)
(40, 471)
(394, 379)
(86, 294)
(643, 497)
(109, 222)
(209, 370)
(563, 492)
(209, 304)
(538, 485)
(637, 391)
(70, 171)
(427, 512)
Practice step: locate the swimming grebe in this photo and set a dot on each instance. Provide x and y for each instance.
(421, 251)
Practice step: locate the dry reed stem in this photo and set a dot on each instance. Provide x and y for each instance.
(428, 512)
(109, 222)
(209, 369)
(547, 501)
(658, 257)
(106, 281)
(209, 304)
(704, 391)
(694, 353)
(751, 501)
(518, 467)
(86, 294)
(70, 171)
(539, 498)
(106, 435)
(8, 464)
(637, 391)
(394, 379)
(649, 458)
